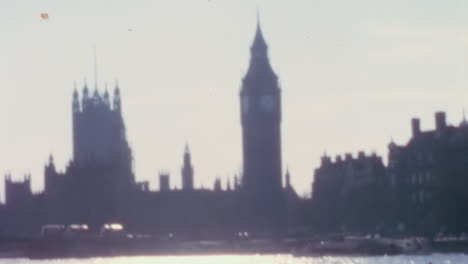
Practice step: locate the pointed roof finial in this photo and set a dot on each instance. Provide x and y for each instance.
(258, 17)
(464, 116)
(75, 91)
(187, 150)
(116, 89)
(85, 86)
(259, 42)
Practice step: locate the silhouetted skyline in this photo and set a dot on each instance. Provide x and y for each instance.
(419, 192)
(351, 74)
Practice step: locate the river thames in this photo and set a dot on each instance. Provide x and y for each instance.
(257, 259)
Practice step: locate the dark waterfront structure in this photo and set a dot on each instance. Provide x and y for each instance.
(428, 178)
(422, 191)
(350, 193)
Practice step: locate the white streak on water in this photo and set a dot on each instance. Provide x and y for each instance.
(255, 259)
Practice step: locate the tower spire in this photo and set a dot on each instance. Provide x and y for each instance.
(259, 63)
(85, 95)
(75, 101)
(187, 150)
(258, 17)
(51, 159)
(259, 43)
(187, 171)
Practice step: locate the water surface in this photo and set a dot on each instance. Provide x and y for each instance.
(256, 259)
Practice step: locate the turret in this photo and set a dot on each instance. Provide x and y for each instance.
(49, 174)
(76, 101)
(105, 97)
(17, 192)
(326, 160)
(85, 97)
(187, 171)
(217, 185)
(51, 162)
(116, 103)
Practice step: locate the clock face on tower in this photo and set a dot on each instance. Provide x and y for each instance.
(267, 102)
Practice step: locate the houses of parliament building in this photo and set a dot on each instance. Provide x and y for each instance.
(98, 185)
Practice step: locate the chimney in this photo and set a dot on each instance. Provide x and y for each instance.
(361, 155)
(338, 159)
(348, 156)
(164, 182)
(440, 121)
(415, 125)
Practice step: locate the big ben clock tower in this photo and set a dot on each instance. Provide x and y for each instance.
(260, 100)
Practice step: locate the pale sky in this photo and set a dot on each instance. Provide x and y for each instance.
(353, 74)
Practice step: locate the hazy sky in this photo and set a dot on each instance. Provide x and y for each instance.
(353, 74)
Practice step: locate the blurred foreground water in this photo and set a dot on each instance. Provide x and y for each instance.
(258, 259)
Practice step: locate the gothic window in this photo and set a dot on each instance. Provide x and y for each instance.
(428, 177)
(421, 196)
